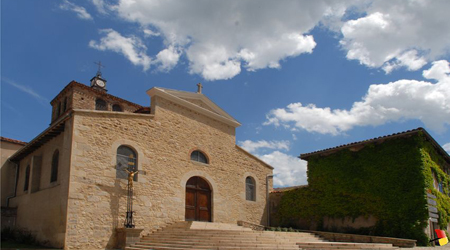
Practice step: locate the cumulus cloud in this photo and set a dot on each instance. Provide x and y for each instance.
(221, 38)
(255, 146)
(447, 147)
(167, 58)
(395, 101)
(288, 170)
(398, 34)
(80, 11)
(130, 47)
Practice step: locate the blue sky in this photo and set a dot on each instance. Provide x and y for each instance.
(300, 76)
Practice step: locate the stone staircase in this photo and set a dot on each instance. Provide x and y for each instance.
(203, 235)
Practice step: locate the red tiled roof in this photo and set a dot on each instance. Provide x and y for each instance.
(143, 110)
(99, 92)
(284, 189)
(13, 141)
(380, 139)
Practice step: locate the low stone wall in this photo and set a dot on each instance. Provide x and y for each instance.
(252, 226)
(338, 237)
(9, 215)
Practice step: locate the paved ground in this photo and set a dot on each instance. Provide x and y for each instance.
(446, 247)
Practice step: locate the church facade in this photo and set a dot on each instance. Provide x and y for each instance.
(71, 181)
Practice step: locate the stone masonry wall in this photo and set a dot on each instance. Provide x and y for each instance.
(84, 99)
(42, 208)
(8, 170)
(163, 143)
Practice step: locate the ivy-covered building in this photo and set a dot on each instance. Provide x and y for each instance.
(395, 185)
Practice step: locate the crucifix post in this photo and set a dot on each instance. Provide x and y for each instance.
(199, 89)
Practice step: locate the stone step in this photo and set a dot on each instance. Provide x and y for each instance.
(206, 234)
(202, 235)
(343, 245)
(218, 232)
(212, 248)
(217, 244)
(224, 239)
(256, 238)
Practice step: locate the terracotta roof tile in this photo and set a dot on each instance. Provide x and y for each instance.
(99, 92)
(143, 110)
(12, 141)
(285, 189)
(378, 139)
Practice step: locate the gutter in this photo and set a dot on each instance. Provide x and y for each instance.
(15, 183)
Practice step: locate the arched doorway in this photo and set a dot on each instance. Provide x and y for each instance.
(198, 200)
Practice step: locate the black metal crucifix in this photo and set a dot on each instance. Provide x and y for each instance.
(100, 66)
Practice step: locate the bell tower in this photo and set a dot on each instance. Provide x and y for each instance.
(97, 82)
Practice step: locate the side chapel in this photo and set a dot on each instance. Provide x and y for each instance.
(70, 185)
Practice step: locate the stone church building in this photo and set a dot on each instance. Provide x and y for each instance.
(69, 184)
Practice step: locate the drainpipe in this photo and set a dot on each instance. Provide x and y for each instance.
(268, 198)
(15, 183)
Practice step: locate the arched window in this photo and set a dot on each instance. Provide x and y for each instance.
(117, 107)
(55, 163)
(126, 160)
(27, 178)
(100, 104)
(250, 190)
(199, 156)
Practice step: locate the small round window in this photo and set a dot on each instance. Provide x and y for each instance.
(199, 156)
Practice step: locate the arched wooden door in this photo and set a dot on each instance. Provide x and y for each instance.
(198, 200)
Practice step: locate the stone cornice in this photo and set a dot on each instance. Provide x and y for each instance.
(111, 113)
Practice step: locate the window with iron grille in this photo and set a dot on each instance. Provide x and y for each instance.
(100, 104)
(250, 191)
(126, 160)
(117, 108)
(199, 156)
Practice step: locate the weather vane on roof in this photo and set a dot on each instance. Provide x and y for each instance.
(99, 71)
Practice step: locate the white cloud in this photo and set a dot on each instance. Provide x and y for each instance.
(80, 11)
(399, 34)
(220, 38)
(149, 33)
(409, 60)
(131, 47)
(101, 6)
(447, 147)
(395, 101)
(28, 90)
(254, 147)
(167, 58)
(288, 170)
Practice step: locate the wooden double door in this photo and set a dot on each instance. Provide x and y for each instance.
(198, 200)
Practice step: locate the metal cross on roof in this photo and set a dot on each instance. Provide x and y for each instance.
(99, 71)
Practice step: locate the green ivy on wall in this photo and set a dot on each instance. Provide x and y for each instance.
(386, 180)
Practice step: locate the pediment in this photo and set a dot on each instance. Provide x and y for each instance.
(196, 101)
